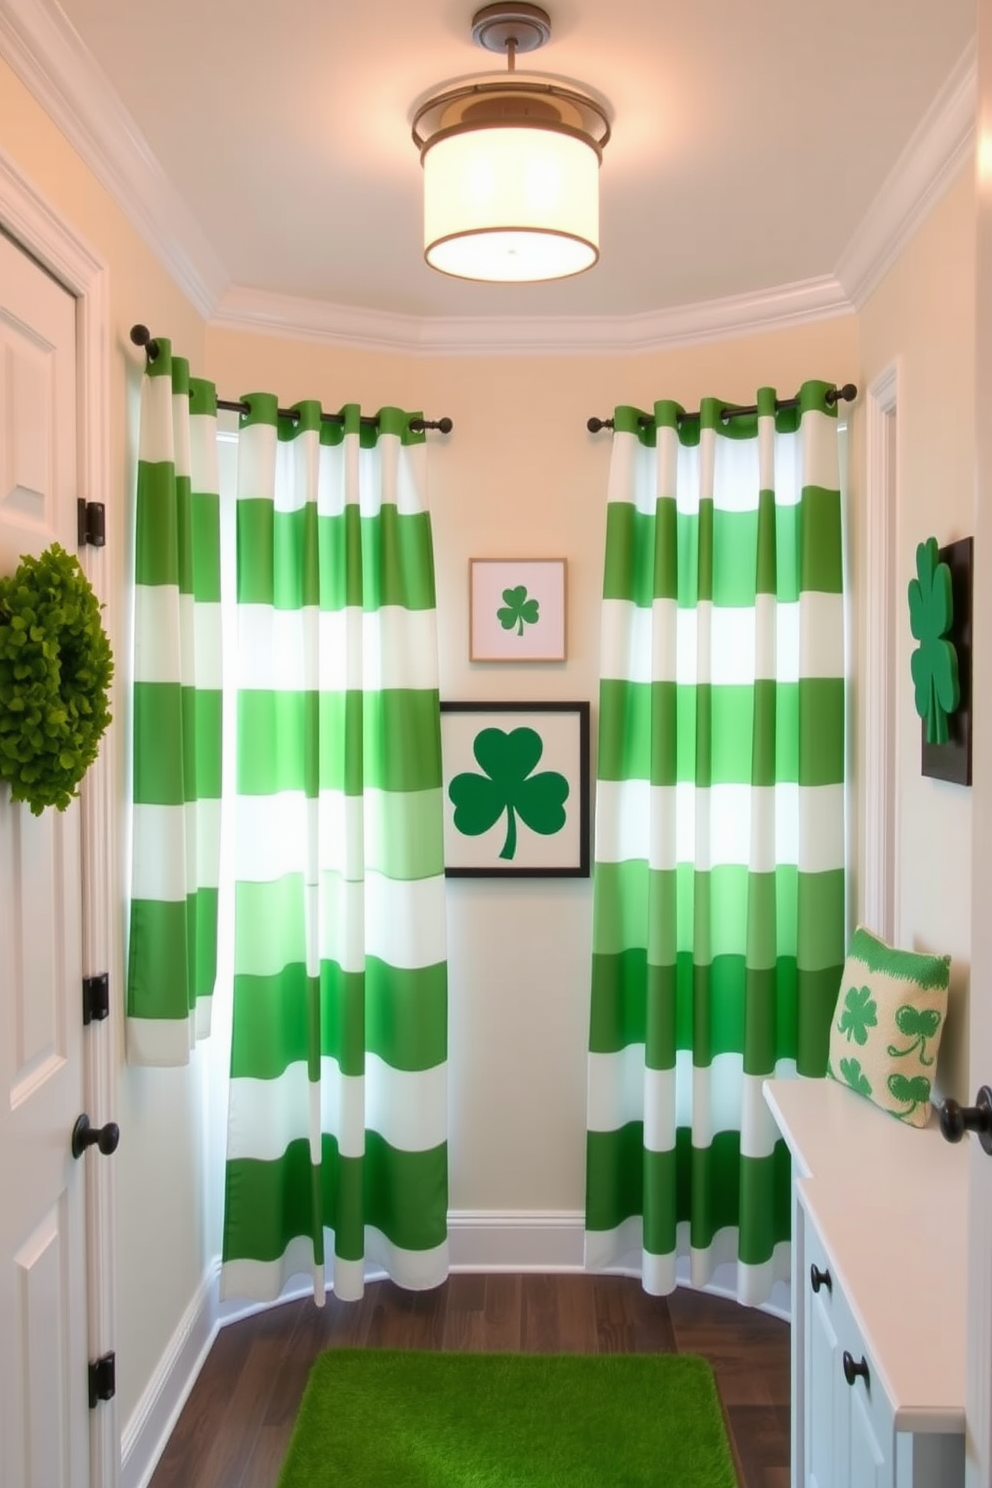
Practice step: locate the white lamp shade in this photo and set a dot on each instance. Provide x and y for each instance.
(511, 204)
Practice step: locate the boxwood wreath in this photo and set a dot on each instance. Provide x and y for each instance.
(55, 669)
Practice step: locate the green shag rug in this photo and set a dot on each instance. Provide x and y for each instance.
(391, 1418)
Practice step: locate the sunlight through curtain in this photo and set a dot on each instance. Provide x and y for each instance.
(337, 1149)
(719, 889)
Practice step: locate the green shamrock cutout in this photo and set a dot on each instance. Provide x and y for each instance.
(934, 663)
(855, 1076)
(918, 1025)
(859, 1014)
(519, 609)
(508, 785)
(915, 1091)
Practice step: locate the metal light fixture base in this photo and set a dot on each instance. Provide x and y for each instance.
(495, 27)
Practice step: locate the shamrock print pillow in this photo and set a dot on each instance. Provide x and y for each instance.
(887, 1025)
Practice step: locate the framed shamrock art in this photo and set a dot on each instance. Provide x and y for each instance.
(516, 789)
(516, 609)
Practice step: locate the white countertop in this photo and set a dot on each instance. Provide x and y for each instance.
(890, 1204)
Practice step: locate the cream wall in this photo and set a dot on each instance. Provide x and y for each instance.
(921, 318)
(520, 476)
(164, 1241)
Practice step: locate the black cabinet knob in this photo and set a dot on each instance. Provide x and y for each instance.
(104, 1137)
(955, 1120)
(818, 1279)
(852, 1370)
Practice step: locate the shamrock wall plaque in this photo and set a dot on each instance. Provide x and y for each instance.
(935, 661)
(940, 622)
(516, 789)
(516, 609)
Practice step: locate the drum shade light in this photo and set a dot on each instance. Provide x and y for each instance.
(511, 164)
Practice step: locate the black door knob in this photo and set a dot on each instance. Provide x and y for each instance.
(955, 1120)
(84, 1135)
(818, 1278)
(852, 1370)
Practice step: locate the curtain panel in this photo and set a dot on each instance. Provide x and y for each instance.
(337, 1148)
(176, 718)
(719, 877)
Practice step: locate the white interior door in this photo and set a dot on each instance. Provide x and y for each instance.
(44, 1442)
(979, 1405)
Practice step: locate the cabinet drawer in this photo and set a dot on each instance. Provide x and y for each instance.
(871, 1409)
(860, 1418)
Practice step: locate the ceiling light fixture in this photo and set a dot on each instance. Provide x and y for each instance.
(511, 164)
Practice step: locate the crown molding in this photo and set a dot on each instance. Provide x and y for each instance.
(936, 152)
(372, 330)
(49, 57)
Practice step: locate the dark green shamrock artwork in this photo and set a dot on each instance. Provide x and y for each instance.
(916, 1092)
(855, 1076)
(860, 1013)
(934, 663)
(508, 784)
(919, 1025)
(518, 610)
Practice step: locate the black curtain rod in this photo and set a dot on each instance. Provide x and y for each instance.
(141, 336)
(847, 394)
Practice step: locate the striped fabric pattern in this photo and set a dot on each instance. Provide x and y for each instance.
(337, 1138)
(719, 880)
(172, 954)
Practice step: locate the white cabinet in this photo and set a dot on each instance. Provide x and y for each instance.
(878, 1293)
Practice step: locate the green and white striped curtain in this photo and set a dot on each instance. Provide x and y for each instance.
(176, 762)
(337, 1146)
(719, 892)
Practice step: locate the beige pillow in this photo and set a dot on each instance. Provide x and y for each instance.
(887, 1025)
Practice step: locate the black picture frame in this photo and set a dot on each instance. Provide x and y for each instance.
(952, 761)
(563, 731)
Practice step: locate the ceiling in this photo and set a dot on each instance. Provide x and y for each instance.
(749, 142)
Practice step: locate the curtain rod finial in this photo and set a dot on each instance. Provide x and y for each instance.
(141, 336)
(418, 425)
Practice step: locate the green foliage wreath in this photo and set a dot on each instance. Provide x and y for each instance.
(55, 668)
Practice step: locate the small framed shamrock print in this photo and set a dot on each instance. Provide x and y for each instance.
(516, 609)
(516, 789)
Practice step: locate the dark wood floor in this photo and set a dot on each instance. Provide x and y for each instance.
(235, 1427)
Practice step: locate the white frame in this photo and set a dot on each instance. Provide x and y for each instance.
(488, 639)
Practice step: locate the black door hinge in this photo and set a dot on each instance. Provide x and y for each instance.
(96, 998)
(91, 523)
(103, 1379)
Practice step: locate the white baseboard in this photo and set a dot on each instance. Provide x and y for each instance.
(144, 1436)
(478, 1240)
(499, 1240)
(553, 1240)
